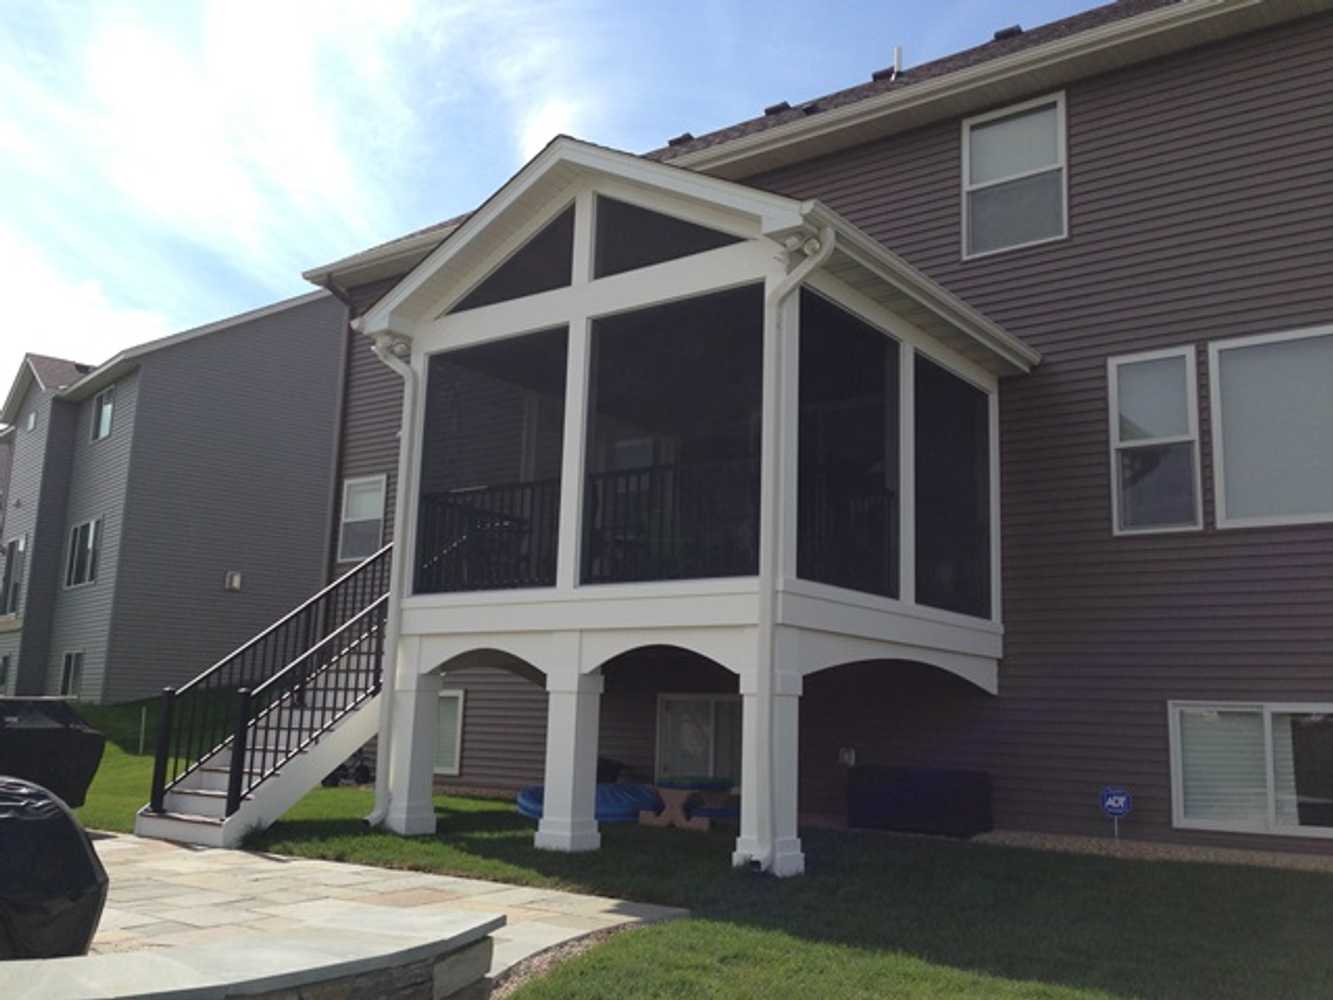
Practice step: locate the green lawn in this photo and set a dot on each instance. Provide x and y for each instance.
(875, 916)
(121, 784)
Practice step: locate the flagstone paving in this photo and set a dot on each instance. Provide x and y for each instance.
(166, 895)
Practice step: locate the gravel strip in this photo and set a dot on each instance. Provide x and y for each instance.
(1148, 850)
(545, 961)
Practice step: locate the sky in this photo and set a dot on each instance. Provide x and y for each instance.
(165, 164)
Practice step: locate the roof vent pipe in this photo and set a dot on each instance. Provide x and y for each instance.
(890, 73)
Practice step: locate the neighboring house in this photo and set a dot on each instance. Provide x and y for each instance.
(972, 417)
(165, 505)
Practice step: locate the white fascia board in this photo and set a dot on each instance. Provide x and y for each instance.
(774, 212)
(405, 249)
(109, 371)
(878, 259)
(978, 79)
(27, 375)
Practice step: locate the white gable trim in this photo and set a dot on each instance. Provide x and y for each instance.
(773, 213)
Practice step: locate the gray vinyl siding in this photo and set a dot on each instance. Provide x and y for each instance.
(504, 729)
(99, 471)
(38, 486)
(371, 417)
(6, 464)
(1200, 207)
(230, 470)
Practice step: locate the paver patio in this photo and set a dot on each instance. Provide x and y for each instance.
(165, 895)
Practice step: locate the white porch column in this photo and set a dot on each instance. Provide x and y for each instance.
(770, 751)
(412, 753)
(568, 820)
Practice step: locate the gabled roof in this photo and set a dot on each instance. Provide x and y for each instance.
(109, 371)
(885, 81)
(1005, 69)
(71, 380)
(47, 373)
(545, 184)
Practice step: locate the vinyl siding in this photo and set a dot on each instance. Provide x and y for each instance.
(372, 413)
(98, 473)
(504, 728)
(37, 493)
(1199, 208)
(231, 470)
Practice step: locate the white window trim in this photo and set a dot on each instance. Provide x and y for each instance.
(97, 539)
(32, 420)
(63, 658)
(457, 769)
(666, 696)
(1215, 348)
(1115, 444)
(382, 480)
(97, 403)
(1062, 148)
(1269, 826)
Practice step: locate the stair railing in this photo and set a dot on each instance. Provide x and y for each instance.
(217, 708)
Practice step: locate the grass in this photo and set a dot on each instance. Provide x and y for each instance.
(122, 781)
(875, 916)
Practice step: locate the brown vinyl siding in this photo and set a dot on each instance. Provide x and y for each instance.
(1200, 207)
(504, 728)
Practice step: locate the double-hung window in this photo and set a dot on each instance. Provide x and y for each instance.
(1154, 442)
(1014, 177)
(71, 675)
(362, 529)
(1272, 413)
(11, 583)
(85, 542)
(1257, 768)
(699, 736)
(104, 405)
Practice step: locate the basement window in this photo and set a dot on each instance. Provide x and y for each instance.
(1014, 177)
(699, 736)
(1252, 768)
(1154, 442)
(449, 734)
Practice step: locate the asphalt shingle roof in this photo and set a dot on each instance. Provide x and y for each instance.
(56, 373)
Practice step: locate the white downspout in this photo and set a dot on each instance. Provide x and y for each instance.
(383, 347)
(817, 250)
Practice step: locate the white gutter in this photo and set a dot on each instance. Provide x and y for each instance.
(383, 347)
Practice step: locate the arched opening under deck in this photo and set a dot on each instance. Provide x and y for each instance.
(886, 713)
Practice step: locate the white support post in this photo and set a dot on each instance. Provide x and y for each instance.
(770, 741)
(412, 753)
(568, 820)
(577, 372)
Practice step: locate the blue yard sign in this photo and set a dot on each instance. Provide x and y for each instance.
(1117, 802)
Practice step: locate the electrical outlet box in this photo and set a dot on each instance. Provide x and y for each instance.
(847, 756)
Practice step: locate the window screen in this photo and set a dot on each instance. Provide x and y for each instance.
(545, 262)
(630, 237)
(1014, 181)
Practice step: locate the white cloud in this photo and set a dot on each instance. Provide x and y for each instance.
(63, 315)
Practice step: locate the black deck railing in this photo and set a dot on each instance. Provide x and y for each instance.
(315, 664)
(672, 522)
(491, 538)
(847, 535)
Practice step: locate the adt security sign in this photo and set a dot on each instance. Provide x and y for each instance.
(1117, 802)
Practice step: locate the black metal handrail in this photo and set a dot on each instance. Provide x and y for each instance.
(489, 538)
(672, 522)
(215, 708)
